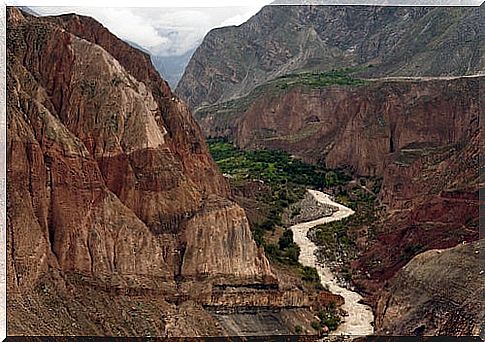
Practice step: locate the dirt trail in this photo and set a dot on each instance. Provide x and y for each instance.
(421, 78)
(360, 316)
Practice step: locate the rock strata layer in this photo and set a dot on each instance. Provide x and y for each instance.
(113, 196)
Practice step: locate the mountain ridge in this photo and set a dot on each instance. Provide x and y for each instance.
(231, 61)
(114, 202)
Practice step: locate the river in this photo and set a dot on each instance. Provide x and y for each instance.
(360, 316)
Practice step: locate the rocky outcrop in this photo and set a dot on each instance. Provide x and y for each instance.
(272, 299)
(308, 209)
(219, 243)
(112, 195)
(432, 203)
(404, 41)
(435, 294)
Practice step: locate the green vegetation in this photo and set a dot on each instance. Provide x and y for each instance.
(309, 80)
(316, 325)
(330, 317)
(298, 329)
(288, 179)
(327, 318)
(317, 80)
(286, 251)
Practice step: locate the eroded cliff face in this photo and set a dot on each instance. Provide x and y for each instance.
(421, 137)
(349, 126)
(435, 294)
(112, 193)
(432, 201)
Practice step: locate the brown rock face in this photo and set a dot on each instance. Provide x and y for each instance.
(223, 249)
(421, 137)
(433, 203)
(111, 190)
(435, 294)
(355, 126)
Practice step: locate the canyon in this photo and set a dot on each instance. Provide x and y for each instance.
(363, 89)
(115, 203)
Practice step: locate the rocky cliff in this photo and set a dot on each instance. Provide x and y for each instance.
(420, 136)
(435, 294)
(348, 125)
(403, 41)
(432, 202)
(113, 200)
(326, 84)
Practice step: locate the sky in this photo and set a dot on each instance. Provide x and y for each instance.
(164, 31)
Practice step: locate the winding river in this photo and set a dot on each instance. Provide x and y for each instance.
(360, 316)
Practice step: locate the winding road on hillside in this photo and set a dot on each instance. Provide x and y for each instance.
(360, 316)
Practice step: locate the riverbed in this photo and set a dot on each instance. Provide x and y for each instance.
(360, 316)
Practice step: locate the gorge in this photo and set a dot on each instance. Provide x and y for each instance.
(313, 160)
(390, 93)
(115, 204)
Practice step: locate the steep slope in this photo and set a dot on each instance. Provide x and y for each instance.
(432, 202)
(270, 83)
(404, 41)
(443, 301)
(355, 126)
(113, 201)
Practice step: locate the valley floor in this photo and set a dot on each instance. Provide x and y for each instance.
(360, 317)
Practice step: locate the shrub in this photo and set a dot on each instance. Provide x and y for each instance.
(310, 274)
(286, 239)
(293, 253)
(316, 325)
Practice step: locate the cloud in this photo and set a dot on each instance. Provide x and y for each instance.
(162, 31)
(240, 18)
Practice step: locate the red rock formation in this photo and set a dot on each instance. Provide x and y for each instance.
(349, 126)
(432, 203)
(421, 137)
(110, 186)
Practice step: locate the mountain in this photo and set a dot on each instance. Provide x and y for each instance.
(118, 221)
(448, 282)
(279, 40)
(390, 93)
(172, 67)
